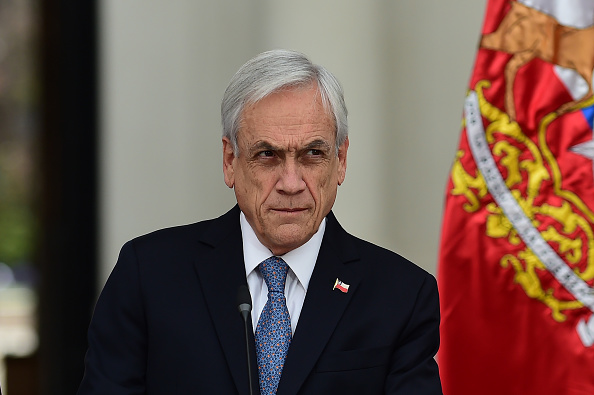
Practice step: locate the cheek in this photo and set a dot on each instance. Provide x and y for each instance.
(320, 185)
(245, 186)
(258, 185)
(329, 177)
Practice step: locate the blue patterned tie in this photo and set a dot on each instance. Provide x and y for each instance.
(273, 333)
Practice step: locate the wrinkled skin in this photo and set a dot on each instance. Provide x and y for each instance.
(287, 172)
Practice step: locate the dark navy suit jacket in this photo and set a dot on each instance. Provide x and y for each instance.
(167, 320)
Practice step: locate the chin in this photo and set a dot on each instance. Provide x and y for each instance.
(286, 243)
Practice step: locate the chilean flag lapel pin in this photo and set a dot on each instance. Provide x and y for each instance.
(344, 287)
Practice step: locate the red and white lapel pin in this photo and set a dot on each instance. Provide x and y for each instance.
(344, 287)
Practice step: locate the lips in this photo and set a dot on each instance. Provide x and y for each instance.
(289, 210)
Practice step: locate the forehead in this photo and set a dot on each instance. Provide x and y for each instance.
(297, 111)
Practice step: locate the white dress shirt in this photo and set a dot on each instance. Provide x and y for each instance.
(301, 262)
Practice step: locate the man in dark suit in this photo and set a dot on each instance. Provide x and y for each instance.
(353, 318)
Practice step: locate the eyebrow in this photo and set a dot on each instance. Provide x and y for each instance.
(318, 144)
(262, 146)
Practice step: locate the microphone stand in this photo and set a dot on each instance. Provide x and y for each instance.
(244, 301)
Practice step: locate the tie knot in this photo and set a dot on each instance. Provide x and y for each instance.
(274, 270)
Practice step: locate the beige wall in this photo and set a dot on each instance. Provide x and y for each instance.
(404, 66)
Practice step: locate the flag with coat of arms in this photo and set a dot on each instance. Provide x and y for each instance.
(516, 260)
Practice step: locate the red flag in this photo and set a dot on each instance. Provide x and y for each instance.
(516, 264)
(344, 287)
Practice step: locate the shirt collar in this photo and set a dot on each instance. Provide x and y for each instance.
(301, 260)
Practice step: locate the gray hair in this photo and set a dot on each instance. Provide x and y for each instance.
(272, 71)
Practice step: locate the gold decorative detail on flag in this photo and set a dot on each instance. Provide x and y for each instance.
(528, 33)
(562, 219)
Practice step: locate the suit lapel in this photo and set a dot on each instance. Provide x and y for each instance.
(222, 268)
(323, 306)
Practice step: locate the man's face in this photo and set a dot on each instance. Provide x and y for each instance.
(287, 171)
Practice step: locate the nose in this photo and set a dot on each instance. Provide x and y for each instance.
(291, 180)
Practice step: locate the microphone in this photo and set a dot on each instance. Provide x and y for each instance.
(244, 305)
(244, 301)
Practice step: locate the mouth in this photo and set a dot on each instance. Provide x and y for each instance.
(289, 210)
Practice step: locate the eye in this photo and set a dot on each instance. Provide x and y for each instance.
(267, 153)
(314, 152)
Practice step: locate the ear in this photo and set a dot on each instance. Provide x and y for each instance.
(342, 160)
(228, 162)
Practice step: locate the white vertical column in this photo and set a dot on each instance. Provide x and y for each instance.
(430, 55)
(343, 36)
(164, 67)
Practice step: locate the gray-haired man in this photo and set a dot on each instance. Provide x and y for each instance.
(354, 318)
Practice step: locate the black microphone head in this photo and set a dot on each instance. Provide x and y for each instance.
(244, 304)
(244, 299)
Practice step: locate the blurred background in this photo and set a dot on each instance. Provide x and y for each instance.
(109, 128)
